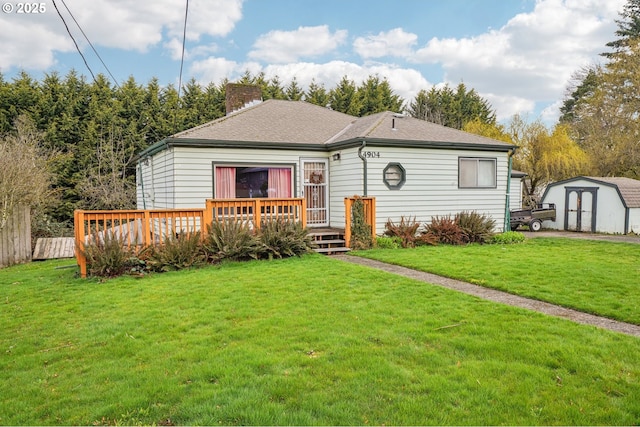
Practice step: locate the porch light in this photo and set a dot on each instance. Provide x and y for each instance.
(336, 156)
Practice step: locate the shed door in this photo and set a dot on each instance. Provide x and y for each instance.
(580, 211)
(315, 190)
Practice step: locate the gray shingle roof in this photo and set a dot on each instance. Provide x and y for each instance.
(297, 122)
(629, 189)
(274, 121)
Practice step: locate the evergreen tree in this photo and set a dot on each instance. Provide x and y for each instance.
(317, 94)
(343, 97)
(628, 29)
(375, 96)
(293, 91)
(451, 108)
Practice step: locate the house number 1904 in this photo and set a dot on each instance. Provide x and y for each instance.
(371, 154)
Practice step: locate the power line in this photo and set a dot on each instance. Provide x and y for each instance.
(89, 41)
(74, 40)
(184, 38)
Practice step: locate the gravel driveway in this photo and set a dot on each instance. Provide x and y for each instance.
(506, 298)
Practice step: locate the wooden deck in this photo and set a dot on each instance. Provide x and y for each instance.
(54, 248)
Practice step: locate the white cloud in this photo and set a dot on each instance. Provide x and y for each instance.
(506, 106)
(396, 43)
(21, 40)
(288, 46)
(533, 56)
(406, 82)
(130, 25)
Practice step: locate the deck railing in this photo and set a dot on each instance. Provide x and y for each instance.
(144, 228)
(255, 211)
(369, 215)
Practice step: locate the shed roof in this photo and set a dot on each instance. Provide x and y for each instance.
(278, 123)
(628, 188)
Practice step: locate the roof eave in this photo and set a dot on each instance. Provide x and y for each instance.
(380, 142)
(206, 143)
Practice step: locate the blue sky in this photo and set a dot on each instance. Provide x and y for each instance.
(518, 54)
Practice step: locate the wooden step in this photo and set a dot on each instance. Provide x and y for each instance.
(330, 242)
(332, 250)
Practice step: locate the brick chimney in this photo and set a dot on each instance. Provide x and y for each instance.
(240, 95)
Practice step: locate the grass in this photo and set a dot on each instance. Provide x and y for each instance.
(304, 341)
(591, 276)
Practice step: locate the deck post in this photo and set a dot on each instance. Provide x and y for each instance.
(147, 229)
(348, 201)
(257, 219)
(207, 217)
(78, 218)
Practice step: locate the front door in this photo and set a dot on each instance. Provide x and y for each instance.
(315, 190)
(580, 213)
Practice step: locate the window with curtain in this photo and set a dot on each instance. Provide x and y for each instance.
(476, 172)
(252, 182)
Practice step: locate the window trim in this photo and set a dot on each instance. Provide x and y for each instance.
(494, 160)
(403, 176)
(292, 166)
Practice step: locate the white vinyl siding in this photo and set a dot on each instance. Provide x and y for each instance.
(193, 174)
(183, 178)
(515, 196)
(157, 180)
(431, 186)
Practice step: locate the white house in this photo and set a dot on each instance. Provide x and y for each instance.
(296, 149)
(595, 204)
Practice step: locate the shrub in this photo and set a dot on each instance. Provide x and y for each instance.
(507, 238)
(108, 256)
(406, 231)
(445, 229)
(361, 236)
(476, 228)
(281, 238)
(177, 253)
(231, 239)
(387, 242)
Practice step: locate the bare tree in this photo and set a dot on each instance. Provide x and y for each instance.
(24, 175)
(107, 185)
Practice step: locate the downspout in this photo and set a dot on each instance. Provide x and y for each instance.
(144, 199)
(364, 167)
(507, 210)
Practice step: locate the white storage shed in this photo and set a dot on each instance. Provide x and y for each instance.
(595, 204)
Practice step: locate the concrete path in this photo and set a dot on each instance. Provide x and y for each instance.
(497, 296)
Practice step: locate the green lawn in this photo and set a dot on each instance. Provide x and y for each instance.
(596, 277)
(301, 341)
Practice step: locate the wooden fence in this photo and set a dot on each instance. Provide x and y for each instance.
(369, 215)
(15, 237)
(144, 228)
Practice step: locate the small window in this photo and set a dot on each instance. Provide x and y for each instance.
(477, 173)
(394, 176)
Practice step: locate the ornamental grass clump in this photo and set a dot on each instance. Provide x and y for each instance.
(476, 228)
(280, 238)
(178, 252)
(406, 231)
(108, 256)
(231, 240)
(445, 230)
